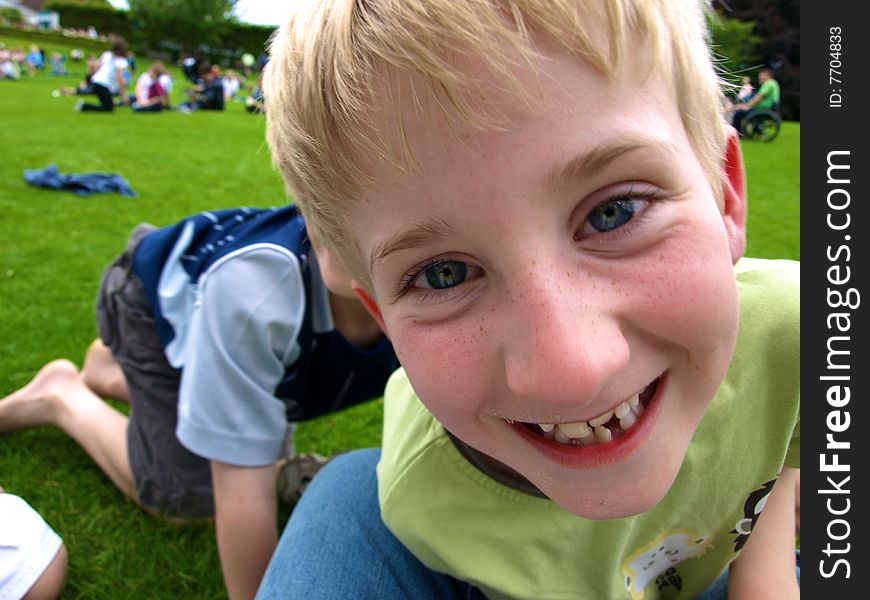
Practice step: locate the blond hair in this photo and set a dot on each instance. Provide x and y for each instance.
(332, 60)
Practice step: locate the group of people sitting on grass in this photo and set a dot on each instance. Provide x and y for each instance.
(14, 62)
(10, 67)
(107, 78)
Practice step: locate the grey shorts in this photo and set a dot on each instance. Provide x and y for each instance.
(170, 480)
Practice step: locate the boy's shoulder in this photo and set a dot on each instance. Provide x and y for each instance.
(762, 385)
(763, 271)
(770, 306)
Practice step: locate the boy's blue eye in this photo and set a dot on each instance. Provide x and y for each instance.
(613, 214)
(443, 275)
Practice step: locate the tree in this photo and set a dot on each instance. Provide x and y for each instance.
(189, 23)
(10, 14)
(734, 46)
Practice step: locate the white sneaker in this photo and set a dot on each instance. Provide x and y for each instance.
(296, 474)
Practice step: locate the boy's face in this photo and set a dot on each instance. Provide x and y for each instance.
(548, 273)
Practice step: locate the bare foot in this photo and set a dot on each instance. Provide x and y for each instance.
(33, 405)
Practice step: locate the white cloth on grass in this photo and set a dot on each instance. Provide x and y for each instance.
(27, 546)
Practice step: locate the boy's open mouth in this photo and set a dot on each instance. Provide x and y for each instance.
(602, 429)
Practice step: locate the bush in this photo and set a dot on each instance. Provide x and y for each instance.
(242, 37)
(734, 46)
(38, 36)
(81, 16)
(233, 38)
(11, 15)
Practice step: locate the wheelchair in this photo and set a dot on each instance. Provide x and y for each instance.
(761, 125)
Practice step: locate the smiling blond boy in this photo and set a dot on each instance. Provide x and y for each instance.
(543, 207)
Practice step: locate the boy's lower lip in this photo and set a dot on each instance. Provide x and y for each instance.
(598, 455)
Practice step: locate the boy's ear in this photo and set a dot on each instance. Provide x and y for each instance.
(734, 196)
(339, 281)
(370, 305)
(333, 272)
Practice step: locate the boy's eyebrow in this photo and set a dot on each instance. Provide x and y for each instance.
(598, 158)
(430, 231)
(425, 232)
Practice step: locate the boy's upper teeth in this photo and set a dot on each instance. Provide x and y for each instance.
(576, 430)
(622, 411)
(586, 432)
(601, 419)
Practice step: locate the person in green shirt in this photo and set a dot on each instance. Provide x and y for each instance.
(767, 97)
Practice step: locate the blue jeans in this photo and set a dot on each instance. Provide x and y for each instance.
(336, 546)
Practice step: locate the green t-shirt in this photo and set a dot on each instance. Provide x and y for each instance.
(510, 544)
(769, 92)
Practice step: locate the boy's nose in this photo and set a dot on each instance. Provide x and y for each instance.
(565, 345)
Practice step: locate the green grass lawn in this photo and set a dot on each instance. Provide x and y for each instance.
(55, 245)
(774, 183)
